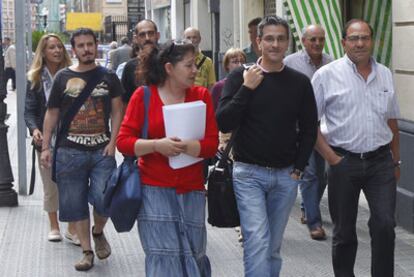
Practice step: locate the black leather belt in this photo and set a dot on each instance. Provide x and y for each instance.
(362, 156)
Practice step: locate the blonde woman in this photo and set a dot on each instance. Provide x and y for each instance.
(50, 57)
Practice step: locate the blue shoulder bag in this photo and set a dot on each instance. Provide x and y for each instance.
(122, 193)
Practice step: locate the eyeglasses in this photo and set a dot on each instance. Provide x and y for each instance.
(272, 39)
(145, 34)
(236, 61)
(357, 38)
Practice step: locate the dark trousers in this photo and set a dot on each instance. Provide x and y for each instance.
(375, 177)
(10, 73)
(321, 173)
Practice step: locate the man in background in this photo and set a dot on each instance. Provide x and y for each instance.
(120, 54)
(313, 184)
(252, 51)
(206, 77)
(10, 65)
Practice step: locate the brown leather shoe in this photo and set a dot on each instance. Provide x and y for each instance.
(102, 247)
(87, 261)
(318, 234)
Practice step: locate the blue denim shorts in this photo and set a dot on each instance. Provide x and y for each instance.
(173, 233)
(81, 177)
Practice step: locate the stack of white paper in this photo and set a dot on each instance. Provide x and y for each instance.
(185, 121)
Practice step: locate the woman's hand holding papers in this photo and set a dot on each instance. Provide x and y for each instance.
(170, 147)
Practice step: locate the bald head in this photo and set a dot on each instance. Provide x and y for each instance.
(313, 39)
(193, 34)
(312, 29)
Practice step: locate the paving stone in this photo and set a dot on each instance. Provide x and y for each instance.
(25, 251)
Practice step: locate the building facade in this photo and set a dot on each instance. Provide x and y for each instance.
(403, 68)
(7, 16)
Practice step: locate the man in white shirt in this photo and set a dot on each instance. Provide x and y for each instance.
(361, 145)
(10, 65)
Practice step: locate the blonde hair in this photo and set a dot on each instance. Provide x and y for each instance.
(35, 71)
(230, 54)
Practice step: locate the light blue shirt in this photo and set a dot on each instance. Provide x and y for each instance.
(356, 111)
(301, 62)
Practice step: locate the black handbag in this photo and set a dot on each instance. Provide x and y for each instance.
(123, 193)
(222, 205)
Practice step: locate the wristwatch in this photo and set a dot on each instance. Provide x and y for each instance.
(397, 163)
(297, 172)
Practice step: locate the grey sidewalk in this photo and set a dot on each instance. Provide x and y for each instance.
(24, 250)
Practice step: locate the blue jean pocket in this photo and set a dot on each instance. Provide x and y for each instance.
(242, 170)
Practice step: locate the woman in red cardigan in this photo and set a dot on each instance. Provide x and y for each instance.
(171, 221)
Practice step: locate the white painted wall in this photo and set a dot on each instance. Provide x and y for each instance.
(248, 9)
(402, 57)
(200, 18)
(227, 39)
(177, 19)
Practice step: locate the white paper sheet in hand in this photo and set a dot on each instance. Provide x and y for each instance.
(185, 121)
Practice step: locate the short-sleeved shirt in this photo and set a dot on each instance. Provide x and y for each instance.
(356, 110)
(251, 56)
(89, 128)
(206, 76)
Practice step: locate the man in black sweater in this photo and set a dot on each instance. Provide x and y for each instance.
(272, 109)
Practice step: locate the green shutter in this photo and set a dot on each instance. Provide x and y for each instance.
(378, 14)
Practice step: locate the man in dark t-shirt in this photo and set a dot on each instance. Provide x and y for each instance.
(145, 33)
(263, 105)
(86, 152)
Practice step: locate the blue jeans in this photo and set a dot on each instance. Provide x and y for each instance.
(312, 187)
(265, 197)
(81, 177)
(173, 233)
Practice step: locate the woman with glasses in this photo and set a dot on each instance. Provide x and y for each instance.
(50, 57)
(233, 58)
(171, 221)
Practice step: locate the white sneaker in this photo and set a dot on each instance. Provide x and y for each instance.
(73, 238)
(54, 235)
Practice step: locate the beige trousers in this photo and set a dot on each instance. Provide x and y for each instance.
(50, 190)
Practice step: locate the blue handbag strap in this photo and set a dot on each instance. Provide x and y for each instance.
(144, 131)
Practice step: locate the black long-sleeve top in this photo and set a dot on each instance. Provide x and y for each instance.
(35, 108)
(128, 79)
(277, 121)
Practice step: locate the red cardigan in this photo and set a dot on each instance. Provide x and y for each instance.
(154, 167)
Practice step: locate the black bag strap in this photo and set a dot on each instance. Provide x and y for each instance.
(93, 80)
(201, 62)
(226, 152)
(33, 173)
